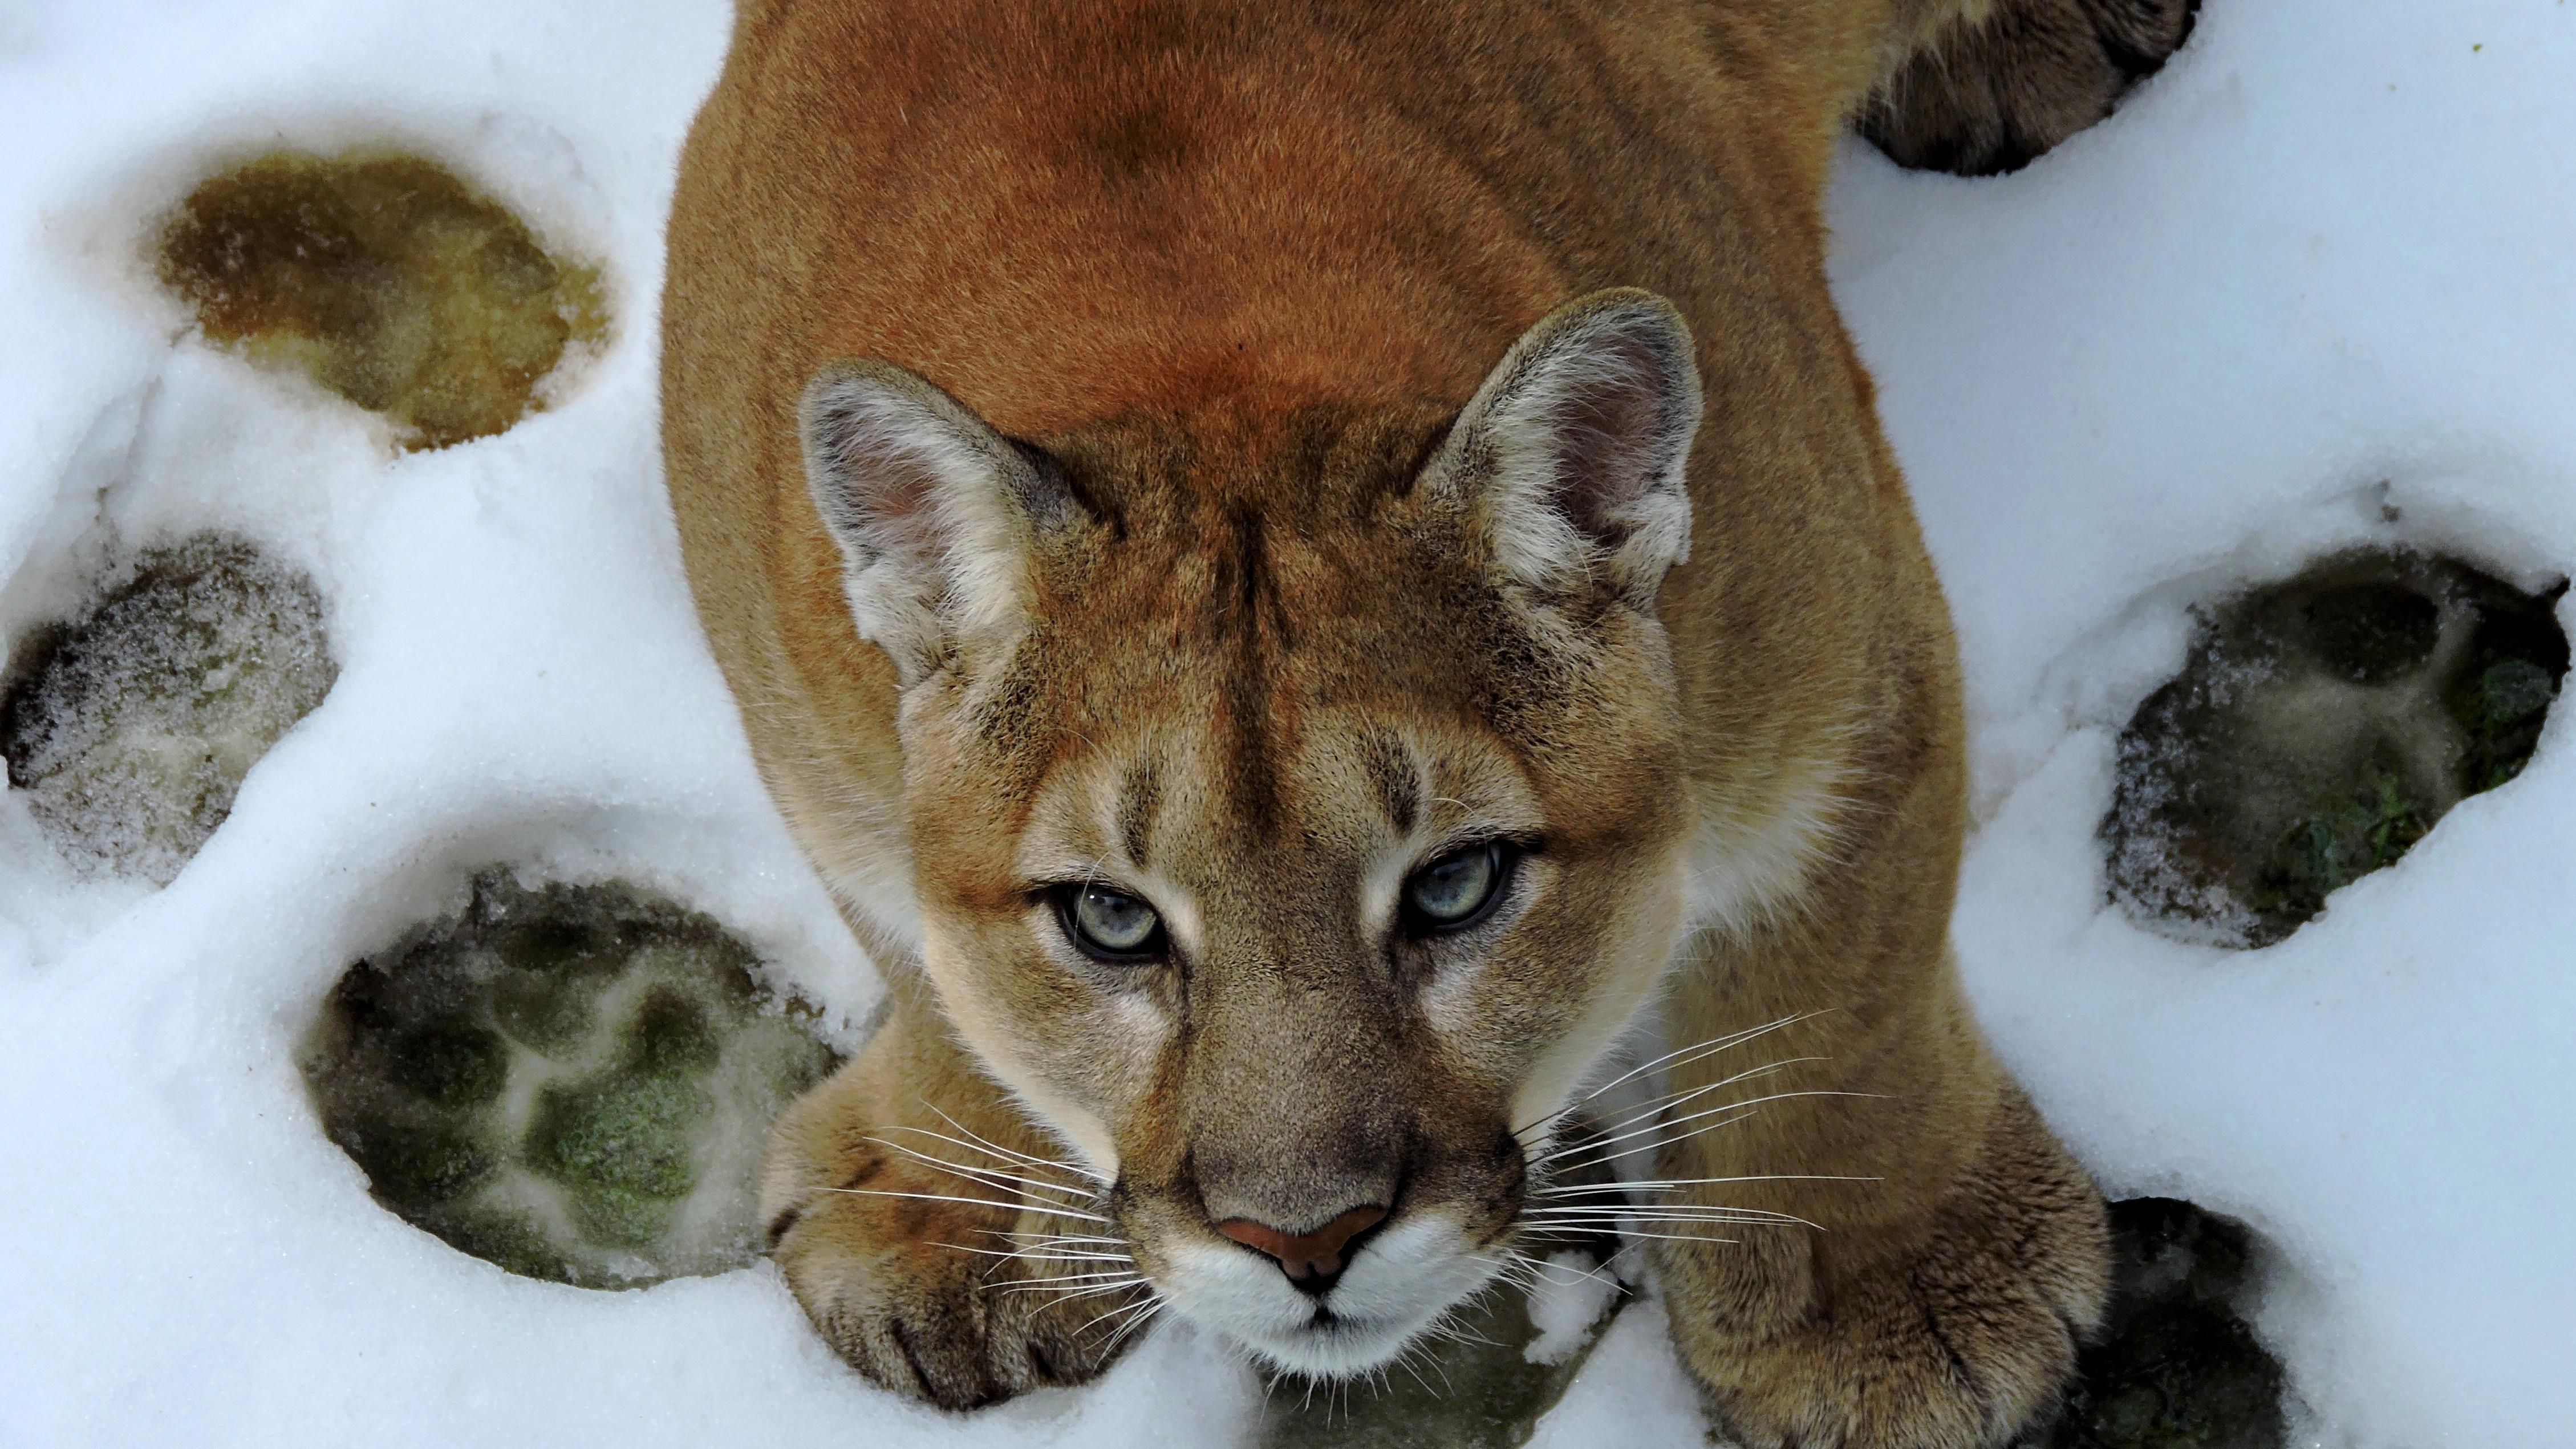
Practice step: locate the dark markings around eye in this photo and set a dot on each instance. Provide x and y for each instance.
(1392, 775)
(1140, 797)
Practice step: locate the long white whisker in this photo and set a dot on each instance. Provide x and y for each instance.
(1114, 1311)
(1661, 1106)
(1617, 1226)
(989, 1149)
(1404, 1361)
(1050, 1250)
(1612, 1149)
(1035, 1252)
(1053, 1248)
(999, 1150)
(1662, 1215)
(992, 1177)
(1529, 1272)
(1666, 1237)
(1061, 1295)
(1123, 1287)
(1663, 1184)
(1096, 1276)
(1068, 1295)
(968, 1201)
(969, 1137)
(995, 1172)
(1710, 1047)
(1598, 1144)
(1138, 1319)
(1670, 1100)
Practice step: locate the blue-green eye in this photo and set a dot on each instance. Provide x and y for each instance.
(1458, 889)
(1109, 925)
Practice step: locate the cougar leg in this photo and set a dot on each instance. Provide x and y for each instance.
(915, 1211)
(1912, 1259)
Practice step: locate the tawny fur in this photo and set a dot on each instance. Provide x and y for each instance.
(1236, 270)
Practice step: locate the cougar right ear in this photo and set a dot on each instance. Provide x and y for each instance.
(1573, 455)
(935, 512)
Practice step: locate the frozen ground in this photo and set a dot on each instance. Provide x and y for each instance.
(2313, 287)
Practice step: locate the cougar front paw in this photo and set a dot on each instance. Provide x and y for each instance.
(1954, 1335)
(1991, 92)
(954, 1302)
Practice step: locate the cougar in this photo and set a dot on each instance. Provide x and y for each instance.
(1299, 569)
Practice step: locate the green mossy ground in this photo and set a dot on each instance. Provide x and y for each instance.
(2176, 1368)
(572, 1082)
(2320, 728)
(131, 728)
(388, 281)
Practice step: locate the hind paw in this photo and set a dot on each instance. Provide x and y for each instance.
(1988, 94)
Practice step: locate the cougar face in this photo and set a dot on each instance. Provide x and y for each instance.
(1294, 794)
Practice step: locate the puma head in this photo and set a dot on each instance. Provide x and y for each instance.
(1294, 792)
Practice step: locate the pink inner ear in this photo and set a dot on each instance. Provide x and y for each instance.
(898, 503)
(1608, 426)
(886, 480)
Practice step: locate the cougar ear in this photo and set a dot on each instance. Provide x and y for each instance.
(1573, 454)
(935, 512)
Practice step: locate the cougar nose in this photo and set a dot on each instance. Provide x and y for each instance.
(1311, 1260)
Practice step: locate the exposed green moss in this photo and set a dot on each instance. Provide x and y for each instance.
(2320, 728)
(422, 1164)
(2517, 661)
(387, 280)
(132, 728)
(632, 1132)
(572, 1082)
(621, 1219)
(2339, 841)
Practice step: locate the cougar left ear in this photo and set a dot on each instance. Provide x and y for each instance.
(1573, 453)
(934, 510)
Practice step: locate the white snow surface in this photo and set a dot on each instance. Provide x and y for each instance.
(2319, 273)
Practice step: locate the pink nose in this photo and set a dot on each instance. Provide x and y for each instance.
(1305, 1255)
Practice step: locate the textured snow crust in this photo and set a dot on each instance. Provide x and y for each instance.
(2311, 290)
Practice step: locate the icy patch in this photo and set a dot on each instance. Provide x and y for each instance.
(2320, 728)
(131, 729)
(388, 281)
(573, 1082)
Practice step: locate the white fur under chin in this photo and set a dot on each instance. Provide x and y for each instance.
(1400, 1284)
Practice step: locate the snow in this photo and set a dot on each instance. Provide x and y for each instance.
(1569, 1297)
(2316, 271)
